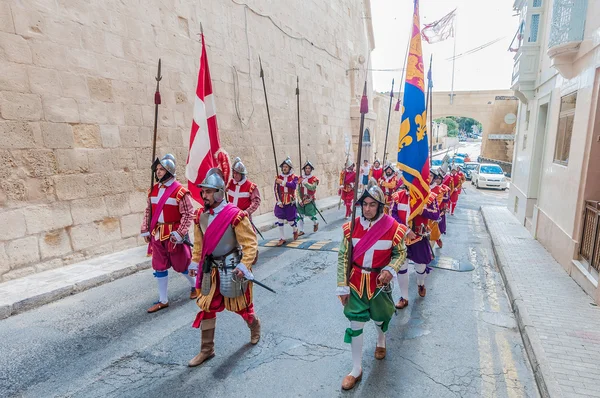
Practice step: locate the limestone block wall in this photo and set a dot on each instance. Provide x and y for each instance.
(76, 107)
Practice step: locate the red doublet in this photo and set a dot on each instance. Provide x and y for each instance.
(286, 194)
(377, 173)
(388, 186)
(170, 217)
(347, 178)
(306, 193)
(239, 194)
(378, 256)
(420, 222)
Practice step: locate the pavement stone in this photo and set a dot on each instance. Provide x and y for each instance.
(559, 322)
(35, 290)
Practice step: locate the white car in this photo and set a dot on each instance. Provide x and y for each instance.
(489, 175)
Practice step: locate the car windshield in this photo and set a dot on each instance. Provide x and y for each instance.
(491, 170)
(459, 160)
(470, 166)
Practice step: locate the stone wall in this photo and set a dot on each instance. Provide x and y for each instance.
(76, 107)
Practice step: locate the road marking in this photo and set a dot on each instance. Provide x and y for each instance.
(304, 244)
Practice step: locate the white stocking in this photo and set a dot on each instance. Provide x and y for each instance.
(380, 335)
(420, 270)
(403, 280)
(281, 231)
(301, 225)
(163, 282)
(357, 348)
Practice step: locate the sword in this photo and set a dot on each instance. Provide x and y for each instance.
(261, 285)
(186, 241)
(318, 211)
(257, 230)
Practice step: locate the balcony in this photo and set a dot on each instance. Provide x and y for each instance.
(525, 71)
(566, 33)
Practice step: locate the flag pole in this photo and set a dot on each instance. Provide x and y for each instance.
(453, 62)
(298, 107)
(387, 130)
(428, 104)
(364, 109)
(157, 101)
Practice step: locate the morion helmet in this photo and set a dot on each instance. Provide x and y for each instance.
(287, 161)
(168, 162)
(239, 167)
(374, 192)
(214, 179)
(309, 164)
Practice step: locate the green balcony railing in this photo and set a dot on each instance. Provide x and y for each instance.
(568, 22)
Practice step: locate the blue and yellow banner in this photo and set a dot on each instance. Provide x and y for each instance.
(413, 143)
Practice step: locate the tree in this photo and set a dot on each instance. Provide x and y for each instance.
(451, 123)
(458, 124)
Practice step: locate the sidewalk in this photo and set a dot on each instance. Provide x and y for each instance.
(559, 323)
(32, 291)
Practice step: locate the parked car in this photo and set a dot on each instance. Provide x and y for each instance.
(456, 160)
(436, 162)
(468, 169)
(462, 155)
(489, 175)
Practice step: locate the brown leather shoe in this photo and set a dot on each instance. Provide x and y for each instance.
(207, 343)
(281, 242)
(422, 291)
(254, 330)
(402, 303)
(350, 381)
(157, 307)
(379, 352)
(295, 235)
(315, 227)
(439, 243)
(301, 233)
(193, 293)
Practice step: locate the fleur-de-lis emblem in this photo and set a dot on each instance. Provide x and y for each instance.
(421, 121)
(405, 139)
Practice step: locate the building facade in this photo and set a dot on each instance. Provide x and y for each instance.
(556, 169)
(77, 107)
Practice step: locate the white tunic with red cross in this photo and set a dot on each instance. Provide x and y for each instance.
(239, 194)
(377, 257)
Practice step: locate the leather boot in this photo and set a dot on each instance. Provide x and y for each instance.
(207, 342)
(254, 330)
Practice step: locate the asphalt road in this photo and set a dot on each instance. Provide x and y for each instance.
(459, 341)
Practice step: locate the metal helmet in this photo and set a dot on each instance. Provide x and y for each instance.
(287, 161)
(377, 161)
(389, 166)
(308, 163)
(374, 192)
(239, 167)
(168, 162)
(214, 180)
(349, 164)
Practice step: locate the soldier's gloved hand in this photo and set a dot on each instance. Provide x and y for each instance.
(193, 269)
(280, 204)
(411, 235)
(385, 277)
(176, 238)
(242, 271)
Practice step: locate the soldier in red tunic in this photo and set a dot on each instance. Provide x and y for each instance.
(285, 195)
(307, 189)
(376, 171)
(378, 253)
(242, 192)
(172, 211)
(346, 191)
(458, 178)
(389, 185)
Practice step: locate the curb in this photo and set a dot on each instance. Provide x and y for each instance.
(29, 303)
(547, 385)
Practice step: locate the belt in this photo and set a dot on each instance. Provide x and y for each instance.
(368, 269)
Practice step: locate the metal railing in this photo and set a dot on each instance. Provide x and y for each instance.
(568, 22)
(590, 238)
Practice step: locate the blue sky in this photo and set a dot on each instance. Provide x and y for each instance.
(478, 22)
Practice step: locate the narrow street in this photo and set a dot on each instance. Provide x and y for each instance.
(459, 341)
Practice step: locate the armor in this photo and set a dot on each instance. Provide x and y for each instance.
(225, 257)
(287, 161)
(214, 180)
(168, 163)
(389, 166)
(349, 164)
(239, 167)
(308, 163)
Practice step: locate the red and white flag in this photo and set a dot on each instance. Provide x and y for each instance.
(439, 30)
(205, 147)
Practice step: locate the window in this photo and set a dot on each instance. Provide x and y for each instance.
(533, 29)
(537, 3)
(565, 128)
(491, 170)
(367, 136)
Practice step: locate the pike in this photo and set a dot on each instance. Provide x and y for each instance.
(262, 76)
(388, 123)
(364, 108)
(257, 230)
(157, 102)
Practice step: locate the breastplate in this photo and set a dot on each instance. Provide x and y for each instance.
(228, 241)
